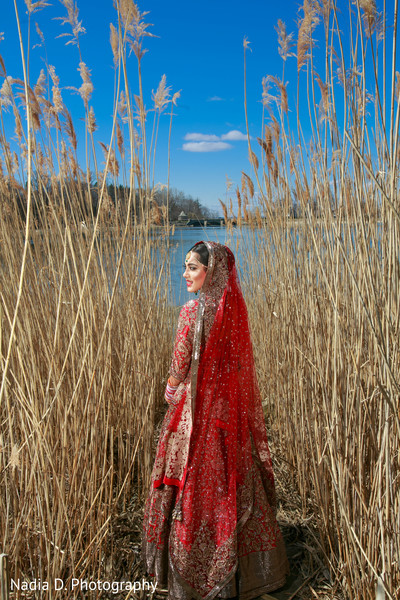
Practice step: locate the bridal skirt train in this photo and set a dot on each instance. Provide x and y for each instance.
(257, 572)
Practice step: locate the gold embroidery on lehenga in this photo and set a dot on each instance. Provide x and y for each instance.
(206, 565)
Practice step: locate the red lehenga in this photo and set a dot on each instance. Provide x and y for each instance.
(210, 529)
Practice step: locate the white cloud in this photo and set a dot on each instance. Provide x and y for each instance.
(201, 137)
(234, 135)
(206, 146)
(204, 142)
(215, 99)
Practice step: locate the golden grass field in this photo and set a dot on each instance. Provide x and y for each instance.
(86, 325)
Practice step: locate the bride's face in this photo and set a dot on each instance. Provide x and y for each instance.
(195, 273)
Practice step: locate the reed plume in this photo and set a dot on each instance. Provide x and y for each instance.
(86, 88)
(6, 92)
(239, 204)
(307, 26)
(35, 6)
(120, 141)
(324, 105)
(161, 97)
(91, 123)
(285, 41)
(135, 26)
(123, 107)
(58, 105)
(247, 184)
(70, 129)
(114, 42)
(225, 211)
(370, 15)
(109, 155)
(72, 19)
(40, 89)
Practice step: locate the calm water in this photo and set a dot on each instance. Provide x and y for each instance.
(238, 240)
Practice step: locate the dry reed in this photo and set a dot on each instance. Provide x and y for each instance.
(324, 296)
(83, 360)
(83, 301)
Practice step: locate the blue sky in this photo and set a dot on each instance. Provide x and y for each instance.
(199, 47)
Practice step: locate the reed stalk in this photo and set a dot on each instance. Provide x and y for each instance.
(84, 298)
(324, 294)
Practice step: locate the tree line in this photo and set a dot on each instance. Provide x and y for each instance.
(75, 200)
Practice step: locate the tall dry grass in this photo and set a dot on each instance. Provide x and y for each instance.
(85, 326)
(324, 292)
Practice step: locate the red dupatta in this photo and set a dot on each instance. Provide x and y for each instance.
(228, 437)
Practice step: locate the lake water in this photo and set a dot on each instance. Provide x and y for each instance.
(237, 239)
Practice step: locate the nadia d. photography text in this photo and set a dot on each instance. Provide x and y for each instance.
(83, 585)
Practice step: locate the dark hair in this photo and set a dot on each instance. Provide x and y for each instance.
(201, 249)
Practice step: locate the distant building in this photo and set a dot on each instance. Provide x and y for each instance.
(183, 216)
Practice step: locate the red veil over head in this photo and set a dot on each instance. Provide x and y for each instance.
(228, 479)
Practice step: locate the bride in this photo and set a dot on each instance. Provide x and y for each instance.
(210, 529)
